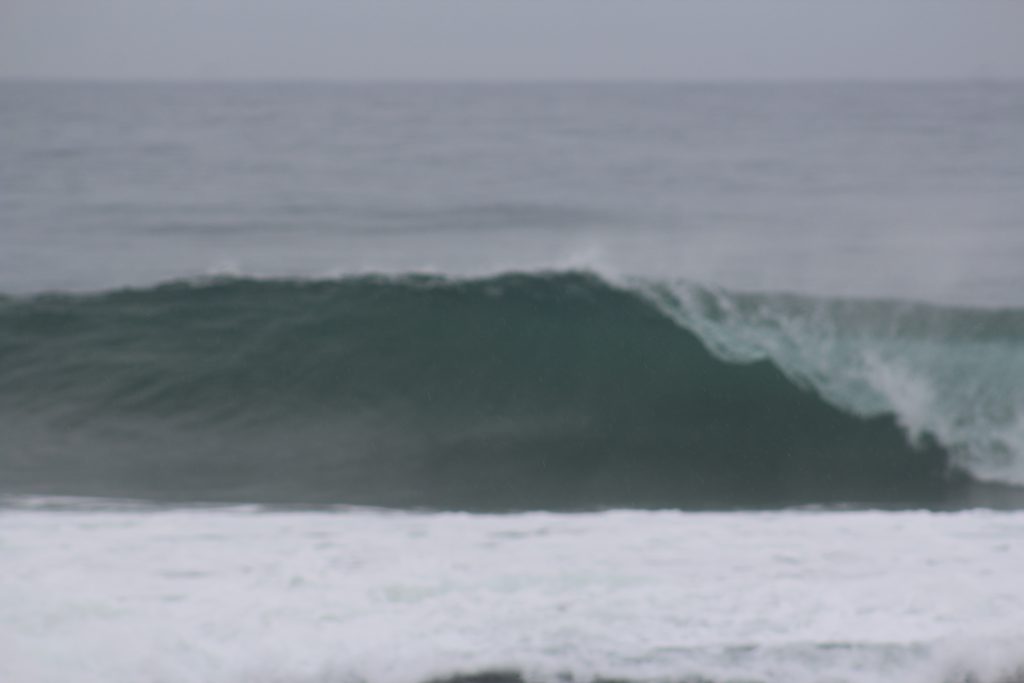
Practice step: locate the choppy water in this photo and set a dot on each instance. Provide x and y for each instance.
(518, 299)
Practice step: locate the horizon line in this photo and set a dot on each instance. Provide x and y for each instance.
(503, 81)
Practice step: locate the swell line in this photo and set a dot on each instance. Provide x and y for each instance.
(528, 390)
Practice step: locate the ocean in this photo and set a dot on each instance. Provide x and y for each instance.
(532, 383)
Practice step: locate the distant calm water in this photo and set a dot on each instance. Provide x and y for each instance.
(790, 317)
(913, 191)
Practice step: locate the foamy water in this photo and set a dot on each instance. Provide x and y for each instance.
(235, 594)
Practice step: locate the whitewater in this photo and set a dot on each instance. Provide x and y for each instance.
(255, 595)
(511, 384)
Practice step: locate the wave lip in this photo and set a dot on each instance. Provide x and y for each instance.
(545, 390)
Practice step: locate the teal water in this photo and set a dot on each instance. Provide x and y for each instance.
(557, 390)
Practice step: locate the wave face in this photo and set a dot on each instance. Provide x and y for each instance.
(523, 391)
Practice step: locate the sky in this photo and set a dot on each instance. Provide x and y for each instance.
(512, 40)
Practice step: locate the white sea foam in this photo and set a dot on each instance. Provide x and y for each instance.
(872, 359)
(231, 595)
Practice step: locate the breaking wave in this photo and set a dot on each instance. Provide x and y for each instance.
(556, 390)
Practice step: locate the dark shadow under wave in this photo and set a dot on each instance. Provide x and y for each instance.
(553, 391)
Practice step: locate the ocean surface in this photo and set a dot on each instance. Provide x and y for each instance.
(566, 383)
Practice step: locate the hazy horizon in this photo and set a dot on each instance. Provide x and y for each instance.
(462, 41)
(484, 82)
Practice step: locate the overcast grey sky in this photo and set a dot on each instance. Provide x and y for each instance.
(512, 39)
